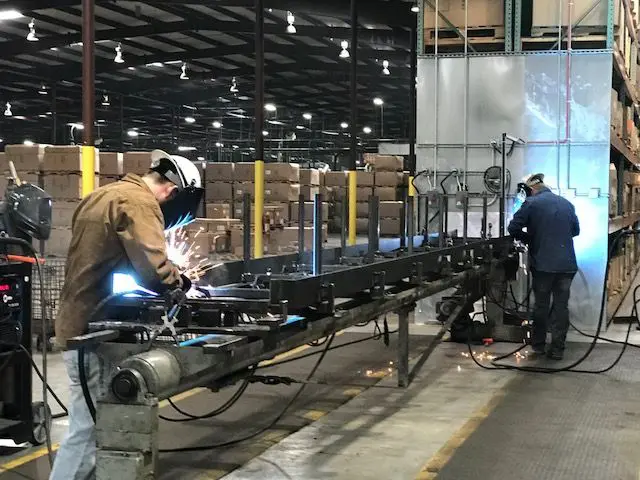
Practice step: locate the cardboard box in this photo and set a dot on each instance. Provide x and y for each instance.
(362, 193)
(384, 163)
(309, 192)
(65, 187)
(218, 192)
(222, 225)
(244, 172)
(282, 172)
(111, 164)
(389, 179)
(478, 13)
(24, 158)
(62, 213)
(201, 242)
(136, 162)
(364, 179)
(335, 179)
(309, 176)
(108, 179)
(308, 212)
(386, 194)
(390, 209)
(281, 192)
(219, 172)
(66, 159)
(218, 210)
(28, 177)
(58, 242)
(288, 237)
(390, 226)
(273, 213)
(220, 244)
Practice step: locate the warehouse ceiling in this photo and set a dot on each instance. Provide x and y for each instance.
(145, 100)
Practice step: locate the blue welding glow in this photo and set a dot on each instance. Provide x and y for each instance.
(181, 222)
(124, 283)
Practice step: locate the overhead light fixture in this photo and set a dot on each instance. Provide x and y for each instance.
(415, 8)
(190, 120)
(307, 116)
(184, 148)
(105, 101)
(367, 130)
(76, 126)
(219, 144)
(300, 127)
(1, 140)
(201, 159)
(28, 143)
(155, 64)
(43, 90)
(378, 102)
(235, 147)
(118, 58)
(10, 15)
(291, 19)
(217, 124)
(7, 111)
(183, 75)
(344, 53)
(265, 133)
(131, 68)
(234, 86)
(31, 36)
(385, 67)
(133, 133)
(270, 107)
(344, 125)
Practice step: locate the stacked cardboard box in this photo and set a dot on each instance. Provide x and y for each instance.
(111, 167)
(390, 218)
(136, 162)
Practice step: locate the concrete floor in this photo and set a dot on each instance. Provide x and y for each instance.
(454, 418)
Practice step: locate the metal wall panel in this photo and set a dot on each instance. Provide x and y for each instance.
(525, 95)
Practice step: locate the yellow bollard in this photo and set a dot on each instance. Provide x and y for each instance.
(88, 170)
(412, 188)
(258, 227)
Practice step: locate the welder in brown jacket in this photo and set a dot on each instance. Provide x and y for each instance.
(117, 228)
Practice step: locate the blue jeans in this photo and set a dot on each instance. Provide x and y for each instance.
(76, 458)
(546, 285)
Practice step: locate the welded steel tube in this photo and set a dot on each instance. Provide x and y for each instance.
(317, 234)
(503, 181)
(301, 229)
(374, 224)
(259, 123)
(246, 231)
(410, 222)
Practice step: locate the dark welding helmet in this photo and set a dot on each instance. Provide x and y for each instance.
(526, 186)
(29, 209)
(182, 208)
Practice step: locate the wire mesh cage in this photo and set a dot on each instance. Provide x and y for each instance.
(53, 278)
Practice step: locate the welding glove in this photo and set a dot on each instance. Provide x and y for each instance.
(186, 283)
(174, 297)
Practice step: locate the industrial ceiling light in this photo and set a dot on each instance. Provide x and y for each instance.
(201, 159)
(367, 130)
(43, 90)
(185, 148)
(31, 36)
(105, 101)
(10, 15)
(183, 75)
(28, 143)
(385, 67)
(76, 126)
(291, 19)
(270, 107)
(344, 53)
(7, 111)
(235, 147)
(300, 127)
(217, 124)
(219, 144)
(234, 85)
(265, 133)
(190, 120)
(415, 8)
(307, 116)
(344, 125)
(378, 102)
(118, 58)
(133, 133)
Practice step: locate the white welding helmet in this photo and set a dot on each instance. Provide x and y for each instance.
(182, 172)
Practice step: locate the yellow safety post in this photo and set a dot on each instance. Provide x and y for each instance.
(88, 170)
(258, 215)
(353, 191)
(412, 188)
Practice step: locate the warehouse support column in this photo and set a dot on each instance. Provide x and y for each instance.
(412, 138)
(354, 124)
(258, 248)
(88, 97)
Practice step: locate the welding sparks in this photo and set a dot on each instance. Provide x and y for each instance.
(185, 254)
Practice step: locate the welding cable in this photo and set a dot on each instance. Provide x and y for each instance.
(26, 246)
(271, 424)
(218, 411)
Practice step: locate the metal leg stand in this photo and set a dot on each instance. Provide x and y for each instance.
(301, 230)
(246, 233)
(344, 225)
(127, 440)
(441, 219)
(403, 347)
(410, 223)
(485, 207)
(403, 220)
(374, 225)
(317, 235)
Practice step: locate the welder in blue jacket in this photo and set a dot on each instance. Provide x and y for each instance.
(547, 223)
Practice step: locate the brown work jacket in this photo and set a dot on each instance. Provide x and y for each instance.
(117, 228)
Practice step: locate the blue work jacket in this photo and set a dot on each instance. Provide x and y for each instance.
(551, 224)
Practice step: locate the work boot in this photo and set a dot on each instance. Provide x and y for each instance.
(555, 355)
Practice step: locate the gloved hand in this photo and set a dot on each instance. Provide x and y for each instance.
(186, 283)
(174, 297)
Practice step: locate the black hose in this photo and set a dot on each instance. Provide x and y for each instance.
(82, 373)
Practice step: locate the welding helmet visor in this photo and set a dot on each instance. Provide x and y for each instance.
(29, 209)
(182, 208)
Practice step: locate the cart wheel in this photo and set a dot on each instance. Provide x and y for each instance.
(41, 422)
